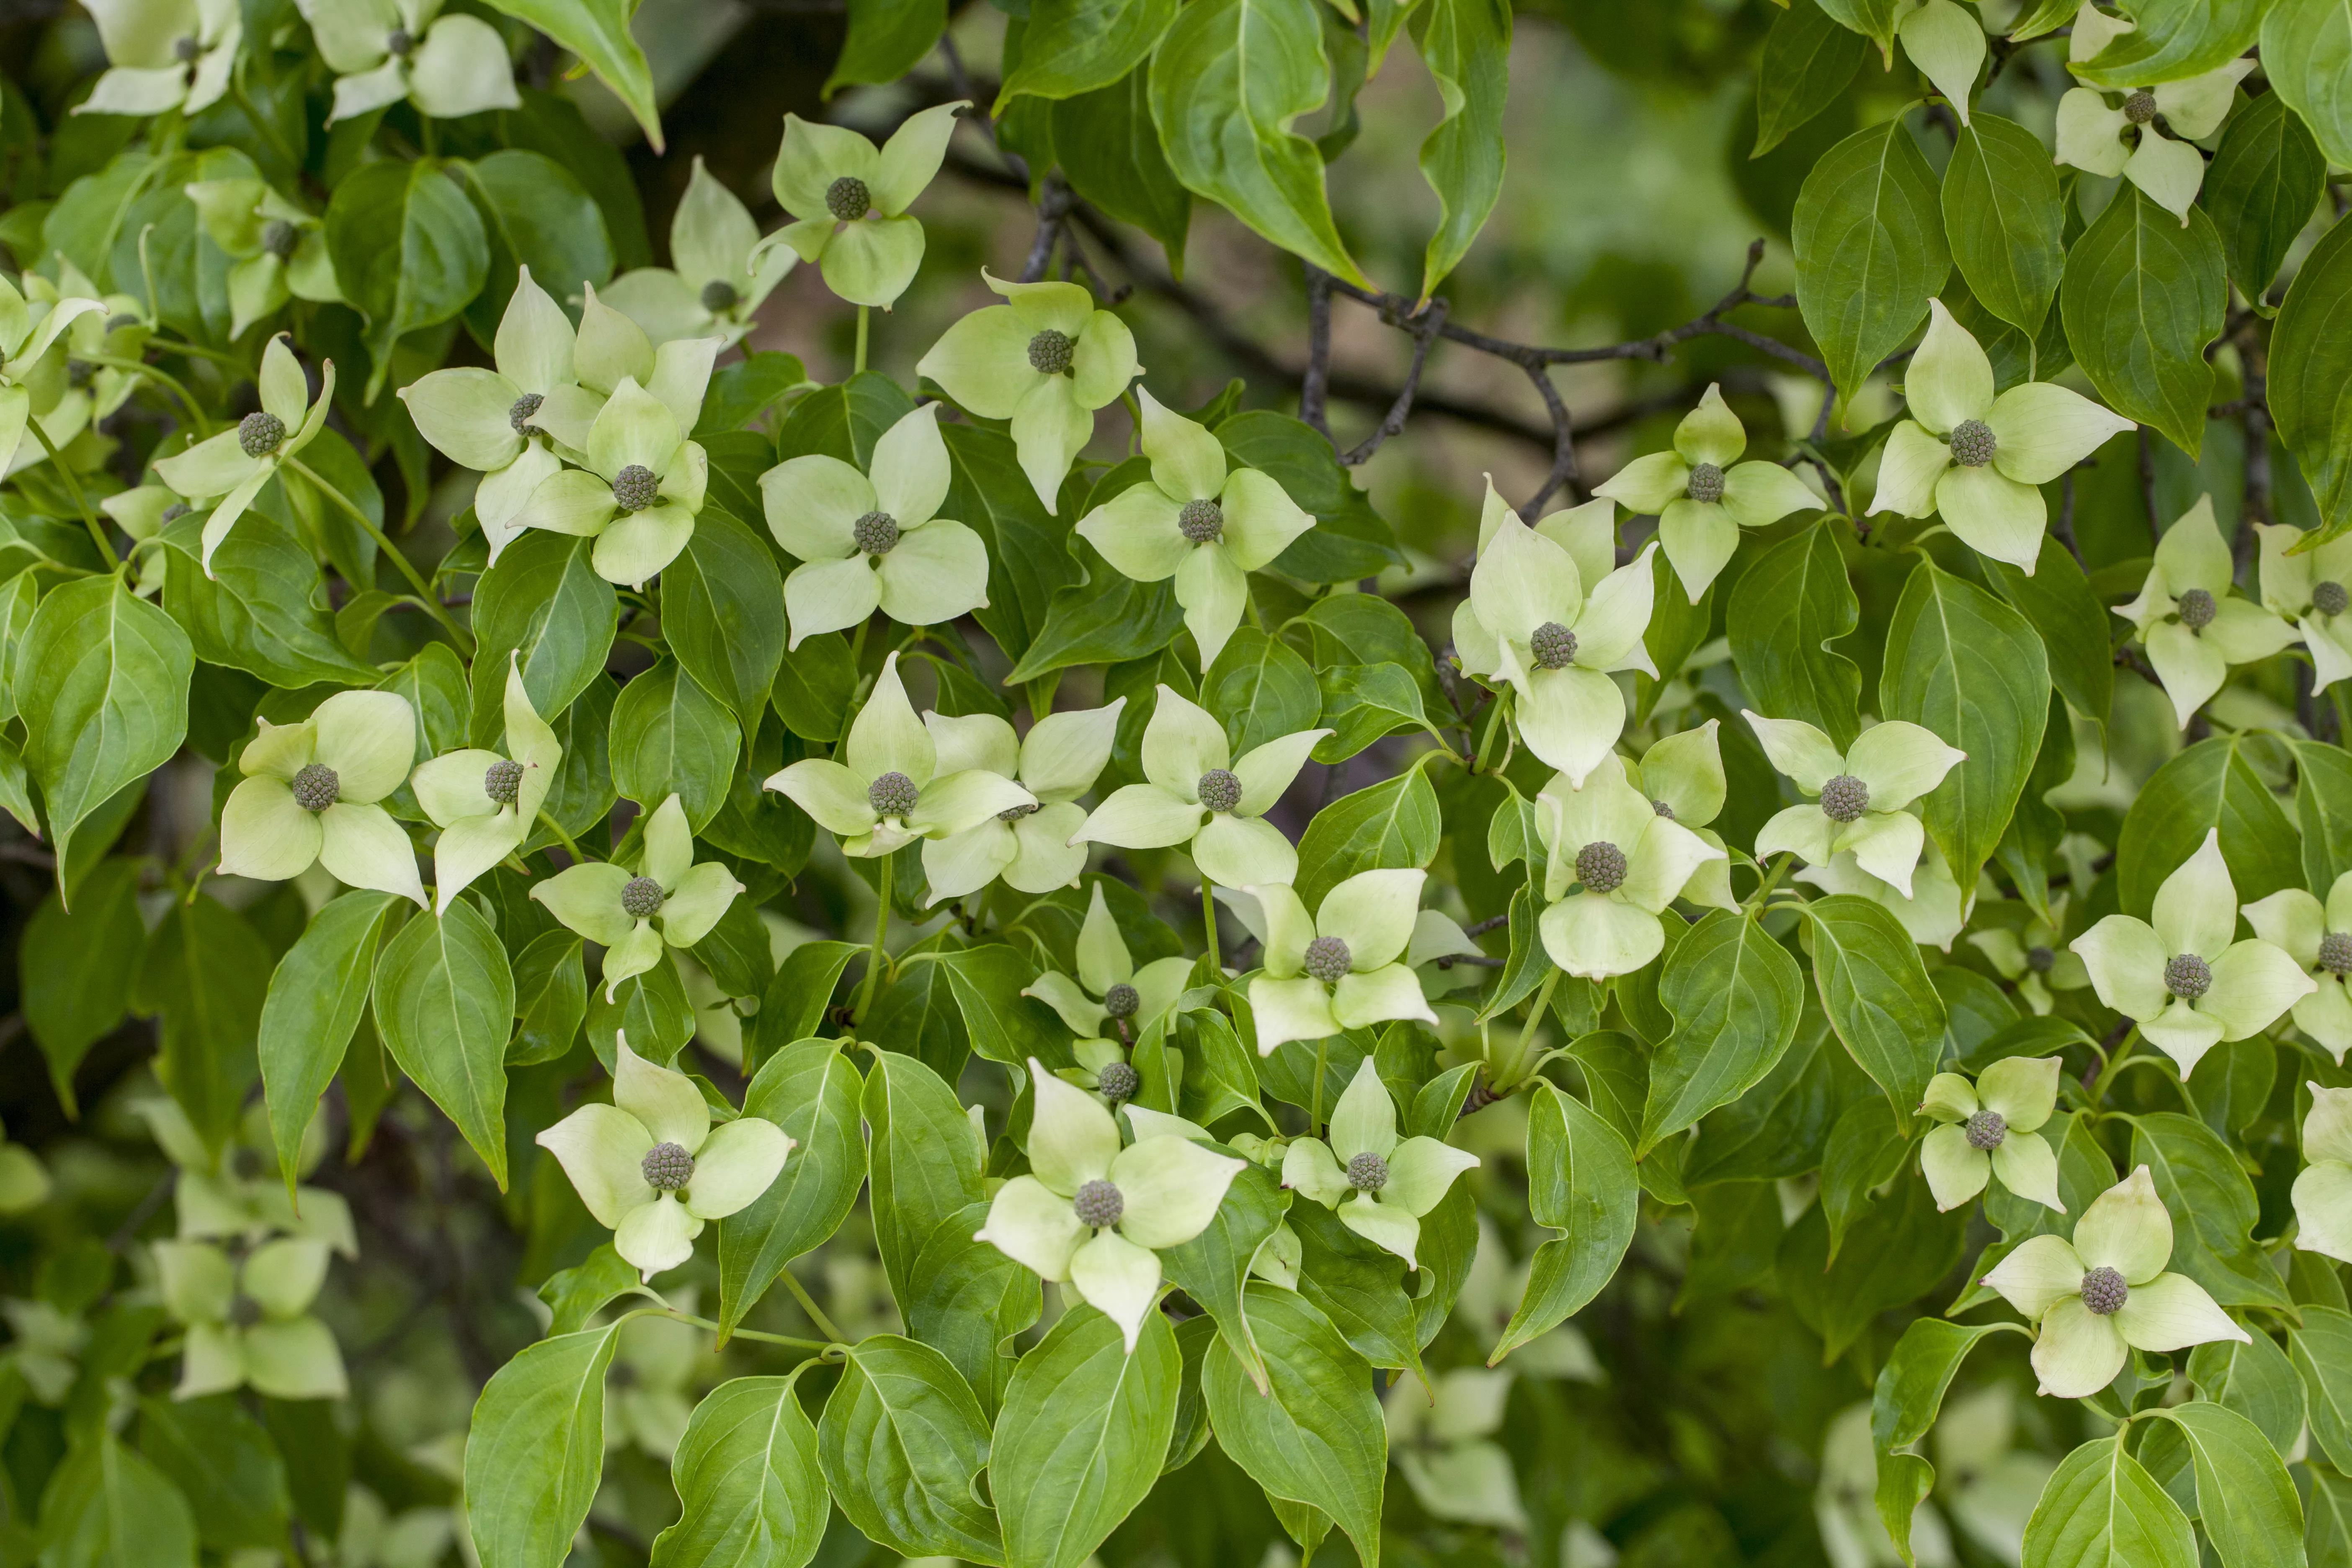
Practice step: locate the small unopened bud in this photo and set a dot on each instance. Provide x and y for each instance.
(519, 411)
(1201, 521)
(1553, 645)
(1973, 443)
(1705, 483)
(1844, 798)
(1098, 1204)
(1600, 866)
(2140, 107)
(1118, 1082)
(186, 48)
(1121, 1000)
(1986, 1129)
(2040, 959)
(1368, 1172)
(400, 43)
(1050, 353)
(892, 795)
(668, 1167)
(876, 532)
(2329, 598)
(635, 487)
(502, 782)
(641, 898)
(2103, 1291)
(719, 295)
(2187, 976)
(279, 236)
(2336, 953)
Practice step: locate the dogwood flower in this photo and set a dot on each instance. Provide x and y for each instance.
(637, 497)
(889, 789)
(1702, 495)
(1109, 991)
(1045, 360)
(2097, 1299)
(1198, 794)
(383, 51)
(651, 1167)
(1990, 1129)
(2185, 980)
(1338, 968)
(279, 249)
(485, 803)
(1028, 846)
(879, 543)
(669, 901)
(1932, 914)
(1627, 861)
(163, 55)
(1443, 1440)
(1861, 794)
(1094, 1217)
(2188, 620)
(1195, 522)
(2311, 591)
(1976, 458)
(609, 349)
(1378, 1187)
(851, 199)
(1946, 45)
(1529, 624)
(92, 389)
(1682, 775)
(250, 1323)
(486, 419)
(235, 463)
(33, 374)
(2318, 937)
(2033, 961)
(712, 287)
(2323, 1192)
(2124, 138)
(309, 795)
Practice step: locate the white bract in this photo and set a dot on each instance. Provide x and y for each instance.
(608, 350)
(1196, 522)
(1340, 967)
(1442, 1439)
(2031, 959)
(1990, 1128)
(2318, 937)
(274, 1343)
(711, 288)
(2123, 138)
(1682, 777)
(668, 900)
(484, 802)
(639, 494)
(2323, 1192)
(234, 465)
(888, 788)
(1028, 846)
(1046, 360)
(879, 543)
(850, 198)
(1094, 1217)
(1976, 458)
(1109, 994)
(1861, 795)
(486, 420)
(383, 51)
(1932, 914)
(1702, 495)
(1380, 1186)
(2314, 590)
(281, 249)
(309, 795)
(2098, 1297)
(2189, 621)
(1198, 794)
(34, 376)
(2186, 980)
(651, 1167)
(1626, 860)
(163, 55)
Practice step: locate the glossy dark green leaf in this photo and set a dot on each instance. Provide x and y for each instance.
(2175, 39)
(1871, 252)
(316, 995)
(925, 1157)
(2262, 187)
(101, 685)
(2213, 1208)
(543, 602)
(550, 999)
(2311, 377)
(2143, 296)
(811, 1090)
(2072, 623)
(1085, 1427)
(1109, 150)
(1467, 46)
(902, 1441)
(1785, 611)
(1075, 47)
(2245, 1502)
(1808, 60)
(2103, 1510)
(1581, 1184)
(749, 1485)
(204, 973)
(444, 1004)
(2212, 784)
(72, 966)
(409, 251)
(2003, 215)
(224, 1464)
(1259, 689)
(535, 212)
(537, 1450)
(672, 737)
(1392, 825)
(2257, 1380)
(1877, 997)
(723, 614)
(108, 1506)
(1736, 996)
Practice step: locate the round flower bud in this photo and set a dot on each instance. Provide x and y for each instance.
(2196, 609)
(1201, 520)
(400, 43)
(2336, 953)
(719, 295)
(176, 511)
(1050, 352)
(187, 48)
(2139, 109)
(641, 898)
(635, 487)
(1600, 866)
(876, 532)
(122, 319)
(848, 199)
(1118, 1082)
(1368, 1172)
(1844, 798)
(1662, 809)
(2187, 976)
(2103, 1291)
(668, 1167)
(502, 782)
(1972, 444)
(79, 373)
(1099, 1203)
(2040, 959)
(261, 433)
(1015, 813)
(316, 787)
(1986, 1129)
(2329, 598)
(892, 795)
(1553, 645)
(1328, 960)
(1121, 1000)
(279, 236)
(1220, 789)
(1705, 483)
(519, 413)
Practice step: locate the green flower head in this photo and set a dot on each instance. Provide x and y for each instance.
(163, 55)
(279, 249)
(638, 496)
(1110, 995)
(250, 1323)
(1028, 847)
(1990, 1129)
(484, 802)
(1341, 967)
(1862, 795)
(234, 465)
(850, 198)
(608, 350)
(1195, 522)
(1976, 458)
(667, 900)
(383, 51)
(2115, 131)
(1442, 1439)
(867, 544)
(91, 391)
(2105, 1294)
(2323, 1192)
(2310, 590)
(33, 379)
(2318, 937)
(2032, 960)
(1702, 495)
(1378, 1187)
(712, 287)
(1627, 862)
(2193, 627)
(1045, 360)
(309, 795)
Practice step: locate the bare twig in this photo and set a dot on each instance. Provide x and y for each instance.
(1424, 327)
(1053, 211)
(1315, 388)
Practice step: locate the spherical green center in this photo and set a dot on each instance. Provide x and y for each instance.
(316, 787)
(1705, 483)
(260, 433)
(2187, 976)
(1220, 789)
(1050, 353)
(1972, 444)
(848, 199)
(635, 487)
(1328, 960)
(641, 898)
(1844, 798)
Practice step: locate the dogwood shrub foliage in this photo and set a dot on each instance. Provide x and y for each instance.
(753, 961)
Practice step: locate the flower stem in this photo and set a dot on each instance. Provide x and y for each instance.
(881, 928)
(1486, 742)
(1315, 1113)
(73, 488)
(557, 828)
(824, 1325)
(857, 366)
(169, 383)
(765, 1339)
(2107, 1075)
(430, 602)
(1208, 925)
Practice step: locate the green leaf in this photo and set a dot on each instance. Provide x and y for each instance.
(1028, 547)
(722, 604)
(72, 967)
(1877, 993)
(902, 1441)
(2003, 215)
(2262, 185)
(1897, 1251)
(1349, 539)
(2310, 378)
(550, 999)
(2071, 621)
(2175, 39)
(409, 251)
(1359, 1287)
(1903, 1404)
(1229, 78)
(1736, 996)
(576, 1294)
(2103, 1510)
(886, 39)
(1214, 1267)
(815, 686)
(1580, 1184)
(1002, 1024)
(544, 604)
(2257, 1380)
(1789, 605)
(2306, 45)
(1103, 620)
(1808, 60)
(749, 1487)
(535, 212)
(1466, 45)
(1362, 703)
(2327, 1530)
(102, 689)
(1873, 19)
(2201, 1182)
(2143, 296)
(1392, 825)
(316, 997)
(1075, 47)
(1081, 1437)
(1109, 150)
(204, 973)
(1966, 666)
(1780, 1127)
(926, 1159)
(443, 1002)
(1317, 1438)
(968, 1300)
(2214, 783)
(2322, 800)
(1869, 239)
(811, 1090)
(1260, 689)
(537, 1450)
(670, 736)
(2321, 1346)
(2244, 1498)
(224, 1464)
(257, 611)
(597, 31)
(108, 1506)
(795, 1003)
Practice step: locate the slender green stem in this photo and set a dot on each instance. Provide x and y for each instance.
(1315, 1115)
(197, 350)
(824, 1325)
(261, 123)
(2107, 1074)
(430, 601)
(1497, 720)
(873, 963)
(766, 1339)
(858, 367)
(1208, 925)
(557, 828)
(73, 489)
(1772, 879)
(171, 383)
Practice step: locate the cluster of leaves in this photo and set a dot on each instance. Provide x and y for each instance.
(856, 839)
